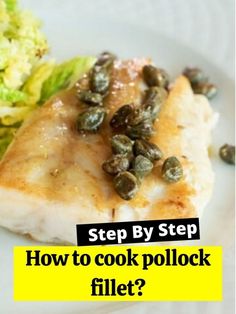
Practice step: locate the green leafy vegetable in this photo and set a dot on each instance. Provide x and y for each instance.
(12, 115)
(22, 44)
(65, 75)
(11, 95)
(4, 143)
(6, 136)
(11, 5)
(33, 85)
(26, 81)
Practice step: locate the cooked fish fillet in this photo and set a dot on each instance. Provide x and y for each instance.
(51, 177)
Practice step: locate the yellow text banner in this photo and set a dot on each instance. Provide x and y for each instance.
(118, 273)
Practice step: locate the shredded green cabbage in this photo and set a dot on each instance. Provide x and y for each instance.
(33, 86)
(65, 75)
(6, 136)
(11, 95)
(11, 5)
(25, 80)
(22, 45)
(4, 143)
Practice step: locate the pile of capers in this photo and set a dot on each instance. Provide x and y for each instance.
(131, 162)
(92, 118)
(133, 155)
(200, 82)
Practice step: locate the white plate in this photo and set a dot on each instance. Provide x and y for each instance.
(68, 37)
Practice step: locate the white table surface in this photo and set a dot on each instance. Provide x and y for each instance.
(207, 26)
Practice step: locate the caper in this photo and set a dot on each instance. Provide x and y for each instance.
(126, 185)
(155, 77)
(121, 144)
(142, 130)
(172, 170)
(154, 98)
(195, 75)
(142, 166)
(137, 116)
(207, 89)
(227, 154)
(99, 80)
(147, 149)
(91, 119)
(121, 117)
(90, 98)
(105, 59)
(116, 164)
